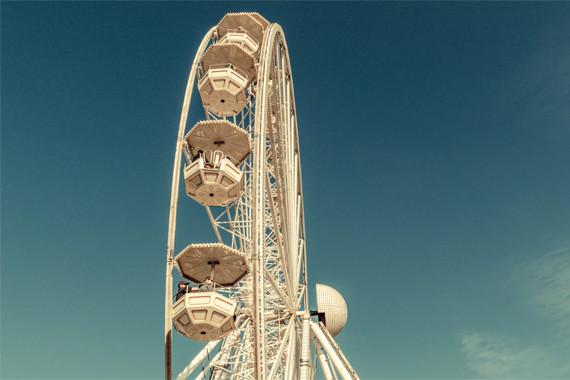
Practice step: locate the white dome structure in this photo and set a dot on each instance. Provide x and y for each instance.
(331, 303)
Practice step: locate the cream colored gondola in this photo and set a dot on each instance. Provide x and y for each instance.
(208, 315)
(251, 22)
(204, 316)
(228, 69)
(230, 64)
(223, 90)
(216, 148)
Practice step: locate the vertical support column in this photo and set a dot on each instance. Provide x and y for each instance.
(305, 365)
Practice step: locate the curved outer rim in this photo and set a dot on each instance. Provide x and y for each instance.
(174, 204)
(273, 34)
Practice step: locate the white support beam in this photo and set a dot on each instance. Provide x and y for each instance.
(284, 345)
(280, 292)
(333, 352)
(230, 340)
(325, 365)
(305, 364)
(203, 354)
(279, 237)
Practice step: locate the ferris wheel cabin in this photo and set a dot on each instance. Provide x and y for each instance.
(222, 90)
(215, 148)
(251, 22)
(208, 315)
(229, 68)
(204, 316)
(229, 65)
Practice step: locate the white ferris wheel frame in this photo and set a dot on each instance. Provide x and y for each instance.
(273, 327)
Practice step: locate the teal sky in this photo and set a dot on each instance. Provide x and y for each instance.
(435, 143)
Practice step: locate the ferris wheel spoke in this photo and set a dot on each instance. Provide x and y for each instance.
(282, 349)
(279, 291)
(199, 358)
(212, 363)
(220, 362)
(278, 185)
(274, 203)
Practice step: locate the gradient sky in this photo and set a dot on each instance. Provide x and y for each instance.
(435, 142)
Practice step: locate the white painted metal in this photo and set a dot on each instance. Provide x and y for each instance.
(333, 351)
(324, 361)
(203, 354)
(305, 362)
(265, 221)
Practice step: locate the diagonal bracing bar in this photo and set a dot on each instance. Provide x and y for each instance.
(333, 351)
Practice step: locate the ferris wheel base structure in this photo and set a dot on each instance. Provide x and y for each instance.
(246, 294)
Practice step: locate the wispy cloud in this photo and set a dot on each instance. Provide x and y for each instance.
(549, 285)
(494, 357)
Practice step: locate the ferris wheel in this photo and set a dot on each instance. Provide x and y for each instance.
(247, 294)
